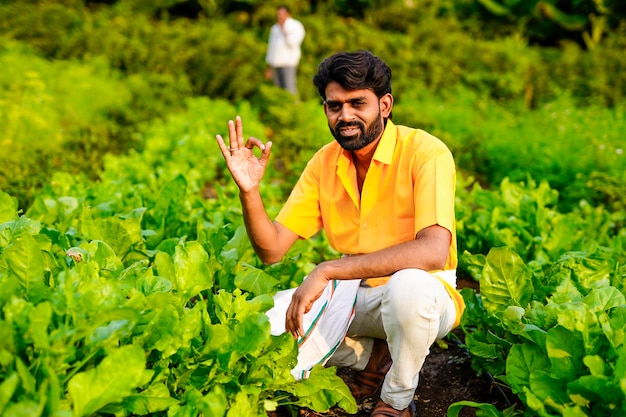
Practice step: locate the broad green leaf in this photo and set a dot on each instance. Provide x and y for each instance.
(521, 362)
(474, 263)
(575, 411)
(596, 388)
(255, 281)
(228, 305)
(215, 401)
(614, 326)
(323, 390)
(587, 270)
(482, 409)
(7, 389)
(114, 379)
(273, 366)
(596, 365)
(25, 261)
(106, 258)
(8, 207)
(150, 284)
(565, 349)
(481, 349)
(261, 304)
(39, 322)
(251, 334)
(192, 272)
(165, 266)
(163, 218)
(506, 280)
(151, 400)
(25, 408)
(566, 292)
(218, 338)
(11, 230)
(550, 389)
(512, 320)
(119, 233)
(164, 332)
(192, 323)
(112, 325)
(534, 403)
(7, 341)
(239, 242)
(189, 405)
(604, 299)
(245, 403)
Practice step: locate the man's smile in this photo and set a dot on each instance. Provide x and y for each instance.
(350, 130)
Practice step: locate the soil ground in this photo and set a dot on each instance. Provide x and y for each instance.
(446, 377)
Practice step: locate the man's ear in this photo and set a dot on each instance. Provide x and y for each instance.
(386, 103)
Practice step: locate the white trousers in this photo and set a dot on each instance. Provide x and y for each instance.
(411, 311)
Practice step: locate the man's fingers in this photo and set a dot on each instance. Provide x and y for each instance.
(222, 145)
(252, 142)
(239, 131)
(233, 142)
(294, 320)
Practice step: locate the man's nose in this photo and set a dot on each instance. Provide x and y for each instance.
(346, 113)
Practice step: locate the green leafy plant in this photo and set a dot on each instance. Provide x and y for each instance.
(554, 338)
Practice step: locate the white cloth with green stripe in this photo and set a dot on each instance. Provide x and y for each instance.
(325, 325)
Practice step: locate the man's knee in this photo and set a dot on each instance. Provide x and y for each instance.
(413, 290)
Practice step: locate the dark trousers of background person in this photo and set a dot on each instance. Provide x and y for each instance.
(285, 77)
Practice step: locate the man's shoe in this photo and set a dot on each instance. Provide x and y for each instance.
(366, 383)
(385, 410)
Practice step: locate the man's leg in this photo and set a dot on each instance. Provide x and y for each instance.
(411, 311)
(277, 77)
(290, 80)
(416, 311)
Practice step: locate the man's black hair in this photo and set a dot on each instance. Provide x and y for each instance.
(354, 71)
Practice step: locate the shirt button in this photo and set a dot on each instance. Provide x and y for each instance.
(364, 225)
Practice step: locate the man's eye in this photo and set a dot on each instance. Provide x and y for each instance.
(334, 107)
(358, 104)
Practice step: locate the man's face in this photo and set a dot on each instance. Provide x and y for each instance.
(281, 16)
(355, 117)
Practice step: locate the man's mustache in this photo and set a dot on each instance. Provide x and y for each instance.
(339, 125)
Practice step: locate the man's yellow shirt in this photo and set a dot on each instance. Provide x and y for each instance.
(410, 185)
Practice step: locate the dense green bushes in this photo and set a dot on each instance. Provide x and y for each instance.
(51, 121)
(222, 55)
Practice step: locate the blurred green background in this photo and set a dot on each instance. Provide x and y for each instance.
(515, 88)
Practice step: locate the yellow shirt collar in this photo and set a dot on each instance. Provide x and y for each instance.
(387, 144)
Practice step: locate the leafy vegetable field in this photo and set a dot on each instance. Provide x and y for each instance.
(139, 293)
(128, 286)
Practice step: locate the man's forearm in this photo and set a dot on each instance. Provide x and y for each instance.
(429, 251)
(261, 230)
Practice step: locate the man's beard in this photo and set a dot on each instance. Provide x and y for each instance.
(360, 140)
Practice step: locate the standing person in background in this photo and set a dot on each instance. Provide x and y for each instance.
(283, 50)
(384, 196)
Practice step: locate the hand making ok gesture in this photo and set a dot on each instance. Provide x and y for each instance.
(247, 170)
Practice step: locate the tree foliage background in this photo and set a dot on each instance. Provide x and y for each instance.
(84, 78)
